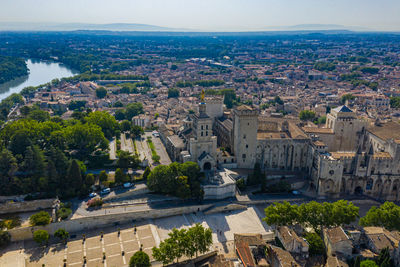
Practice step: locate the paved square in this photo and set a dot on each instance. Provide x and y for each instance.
(95, 263)
(131, 246)
(94, 253)
(93, 242)
(111, 238)
(113, 249)
(115, 261)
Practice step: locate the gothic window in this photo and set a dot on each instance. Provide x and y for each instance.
(202, 127)
(244, 156)
(201, 133)
(206, 133)
(331, 172)
(247, 146)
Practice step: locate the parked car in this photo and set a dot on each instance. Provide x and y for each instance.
(295, 192)
(128, 185)
(92, 195)
(105, 191)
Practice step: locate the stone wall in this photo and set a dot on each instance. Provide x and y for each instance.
(101, 221)
(24, 206)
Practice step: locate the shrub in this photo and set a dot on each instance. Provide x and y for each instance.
(61, 234)
(95, 202)
(41, 236)
(5, 238)
(40, 218)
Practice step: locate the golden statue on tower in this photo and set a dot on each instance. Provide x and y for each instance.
(202, 95)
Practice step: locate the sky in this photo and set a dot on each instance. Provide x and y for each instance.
(208, 15)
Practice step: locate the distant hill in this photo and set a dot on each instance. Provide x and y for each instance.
(21, 26)
(315, 27)
(136, 27)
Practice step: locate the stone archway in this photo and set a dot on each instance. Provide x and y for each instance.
(207, 166)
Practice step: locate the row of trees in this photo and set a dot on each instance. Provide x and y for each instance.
(312, 214)
(183, 242)
(11, 68)
(182, 180)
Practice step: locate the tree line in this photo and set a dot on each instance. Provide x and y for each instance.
(43, 154)
(183, 242)
(12, 68)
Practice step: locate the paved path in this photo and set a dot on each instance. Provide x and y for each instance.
(160, 149)
(113, 148)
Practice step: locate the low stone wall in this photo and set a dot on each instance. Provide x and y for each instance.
(101, 221)
(24, 206)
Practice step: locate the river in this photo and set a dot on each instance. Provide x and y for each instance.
(40, 72)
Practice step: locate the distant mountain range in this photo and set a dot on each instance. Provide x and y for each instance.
(23, 26)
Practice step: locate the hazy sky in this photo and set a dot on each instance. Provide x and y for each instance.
(208, 14)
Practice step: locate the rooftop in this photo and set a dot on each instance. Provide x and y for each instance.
(386, 131)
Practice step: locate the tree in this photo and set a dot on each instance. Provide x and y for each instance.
(384, 259)
(183, 242)
(39, 115)
(40, 218)
(165, 252)
(103, 177)
(368, 263)
(307, 115)
(8, 163)
(173, 92)
(119, 115)
(132, 110)
(41, 237)
(125, 126)
(61, 234)
(200, 237)
(387, 215)
(89, 180)
(120, 176)
(136, 131)
(74, 176)
(346, 97)
(139, 259)
(101, 92)
(316, 243)
(183, 188)
(107, 123)
(395, 102)
(281, 214)
(5, 238)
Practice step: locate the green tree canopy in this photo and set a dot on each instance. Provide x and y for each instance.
(387, 215)
(40, 218)
(41, 237)
(307, 115)
(139, 259)
(101, 92)
(61, 234)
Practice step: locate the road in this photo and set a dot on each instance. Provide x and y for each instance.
(160, 149)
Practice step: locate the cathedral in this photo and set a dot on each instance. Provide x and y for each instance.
(348, 156)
